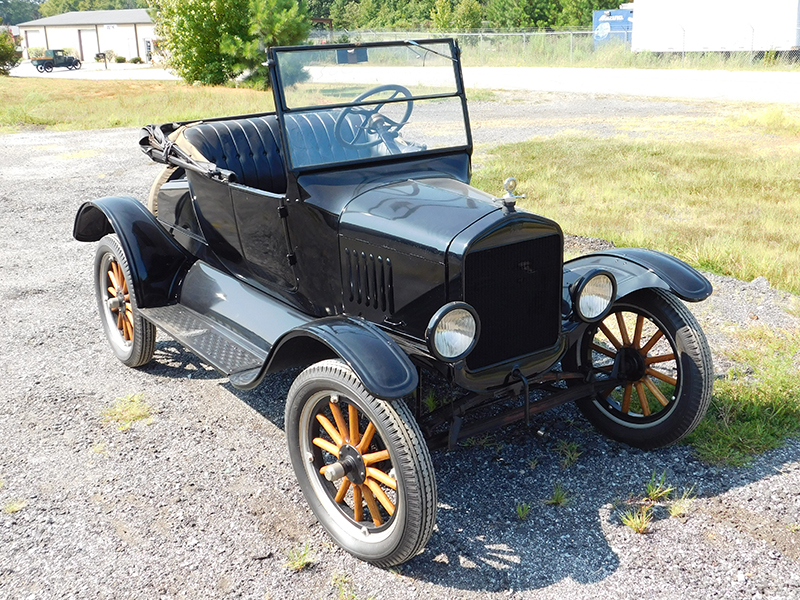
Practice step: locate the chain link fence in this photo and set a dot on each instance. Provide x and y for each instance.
(575, 48)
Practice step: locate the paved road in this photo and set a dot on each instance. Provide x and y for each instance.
(746, 86)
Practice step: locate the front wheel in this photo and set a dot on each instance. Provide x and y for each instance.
(76, 64)
(362, 465)
(132, 337)
(48, 67)
(663, 357)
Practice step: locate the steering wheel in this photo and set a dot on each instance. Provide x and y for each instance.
(373, 120)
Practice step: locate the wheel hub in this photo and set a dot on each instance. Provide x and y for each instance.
(353, 464)
(632, 365)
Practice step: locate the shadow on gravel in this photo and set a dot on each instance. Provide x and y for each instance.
(481, 545)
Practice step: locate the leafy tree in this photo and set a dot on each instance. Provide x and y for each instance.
(508, 13)
(57, 7)
(467, 14)
(272, 23)
(8, 53)
(13, 12)
(192, 32)
(442, 15)
(578, 13)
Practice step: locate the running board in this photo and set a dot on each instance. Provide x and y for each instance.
(228, 352)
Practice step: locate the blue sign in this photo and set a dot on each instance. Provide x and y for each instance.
(612, 26)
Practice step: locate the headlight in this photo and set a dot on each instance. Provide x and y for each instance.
(594, 294)
(453, 331)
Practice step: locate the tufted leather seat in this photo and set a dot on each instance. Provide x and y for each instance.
(313, 142)
(248, 147)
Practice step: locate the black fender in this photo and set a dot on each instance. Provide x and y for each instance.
(385, 370)
(157, 262)
(638, 268)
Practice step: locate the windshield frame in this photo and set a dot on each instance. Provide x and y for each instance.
(417, 46)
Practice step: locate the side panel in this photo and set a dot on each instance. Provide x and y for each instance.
(156, 260)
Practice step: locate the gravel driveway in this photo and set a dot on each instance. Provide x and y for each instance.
(201, 502)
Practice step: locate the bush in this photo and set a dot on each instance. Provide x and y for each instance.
(120, 59)
(36, 52)
(136, 60)
(8, 53)
(110, 54)
(71, 52)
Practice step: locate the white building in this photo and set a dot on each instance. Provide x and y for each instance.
(128, 33)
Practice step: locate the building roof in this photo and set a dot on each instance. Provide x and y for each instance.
(126, 16)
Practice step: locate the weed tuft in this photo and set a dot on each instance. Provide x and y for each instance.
(300, 558)
(680, 506)
(657, 490)
(523, 509)
(570, 453)
(638, 519)
(126, 411)
(14, 506)
(559, 497)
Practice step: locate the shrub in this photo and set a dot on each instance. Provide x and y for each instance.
(8, 53)
(120, 59)
(136, 60)
(110, 54)
(36, 52)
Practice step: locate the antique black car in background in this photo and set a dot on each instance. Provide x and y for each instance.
(340, 233)
(55, 58)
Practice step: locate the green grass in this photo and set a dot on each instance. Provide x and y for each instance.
(725, 207)
(559, 497)
(299, 559)
(657, 489)
(570, 453)
(680, 506)
(523, 510)
(66, 104)
(14, 506)
(756, 406)
(128, 410)
(638, 519)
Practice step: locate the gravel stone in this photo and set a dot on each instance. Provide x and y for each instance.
(201, 501)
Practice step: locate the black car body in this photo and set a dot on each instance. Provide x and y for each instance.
(323, 235)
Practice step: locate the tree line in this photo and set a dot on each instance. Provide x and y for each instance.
(443, 15)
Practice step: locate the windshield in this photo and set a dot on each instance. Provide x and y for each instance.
(357, 103)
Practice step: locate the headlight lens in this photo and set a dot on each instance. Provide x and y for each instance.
(594, 295)
(452, 332)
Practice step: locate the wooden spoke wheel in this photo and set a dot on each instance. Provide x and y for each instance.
(131, 337)
(657, 347)
(362, 464)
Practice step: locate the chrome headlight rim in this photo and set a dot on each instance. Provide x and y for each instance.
(436, 320)
(579, 287)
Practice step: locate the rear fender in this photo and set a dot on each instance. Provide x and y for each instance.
(381, 365)
(638, 268)
(157, 262)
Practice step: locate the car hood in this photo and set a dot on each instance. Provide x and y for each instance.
(416, 217)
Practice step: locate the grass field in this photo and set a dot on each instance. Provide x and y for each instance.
(727, 207)
(75, 104)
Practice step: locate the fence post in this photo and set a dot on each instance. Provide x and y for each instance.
(570, 48)
(481, 44)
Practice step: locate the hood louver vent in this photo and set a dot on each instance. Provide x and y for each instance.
(370, 280)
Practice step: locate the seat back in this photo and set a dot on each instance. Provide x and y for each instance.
(248, 147)
(312, 140)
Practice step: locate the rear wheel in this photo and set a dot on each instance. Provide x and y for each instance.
(40, 68)
(663, 356)
(132, 337)
(48, 67)
(362, 464)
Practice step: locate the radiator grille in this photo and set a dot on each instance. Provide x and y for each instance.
(516, 290)
(370, 280)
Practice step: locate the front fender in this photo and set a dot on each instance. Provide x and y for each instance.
(638, 268)
(381, 365)
(157, 262)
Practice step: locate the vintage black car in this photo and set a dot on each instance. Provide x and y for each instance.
(340, 234)
(55, 58)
